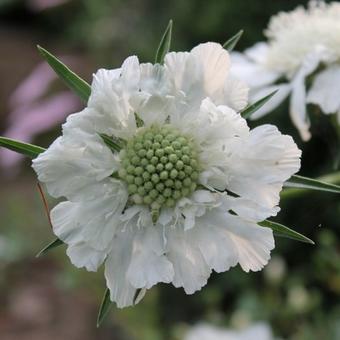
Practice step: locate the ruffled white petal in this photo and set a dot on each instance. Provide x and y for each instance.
(214, 62)
(116, 266)
(148, 264)
(191, 271)
(212, 123)
(82, 255)
(91, 222)
(204, 72)
(325, 90)
(234, 95)
(225, 240)
(260, 164)
(109, 99)
(152, 102)
(73, 164)
(252, 243)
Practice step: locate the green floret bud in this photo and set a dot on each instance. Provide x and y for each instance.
(146, 175)
(138, 170)
(130, 179)
(138, 181)
(159, 152)
(173, 158)
(173, 173)
(159, 166)
(154, 160)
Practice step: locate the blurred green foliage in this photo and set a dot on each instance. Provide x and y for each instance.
(298, 293)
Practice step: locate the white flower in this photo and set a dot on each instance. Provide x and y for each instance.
(302, 43)
(184, 194)
(260, 331)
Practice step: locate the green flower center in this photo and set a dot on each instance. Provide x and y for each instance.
(160, 166)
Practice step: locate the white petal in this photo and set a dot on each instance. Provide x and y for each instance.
(91, 222)
(298, 98)
(116, 266)
(110, 94)
(148, 264)
(82, 255)
(261, 163)
(252, 73)
(274, 102)
(73, 163)
(325, 90)
(252, 242)
(297, 109)
(214, 243)
(212, 123)
(198, 74)
(215, 63)
(191, 271)
(152, 101)
(235, 94)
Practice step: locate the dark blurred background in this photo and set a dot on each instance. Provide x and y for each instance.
(47, 298)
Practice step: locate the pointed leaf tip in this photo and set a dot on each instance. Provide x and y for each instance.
(230, 44)
(164, 45)
(54, 244)
(249, 110)
(301, 182)
(104, 307)
(72, 80)
(281, 230)
(26, 149)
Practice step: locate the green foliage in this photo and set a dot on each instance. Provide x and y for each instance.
(164, 45)
(73, 81)
(283, 231)
(26, 149)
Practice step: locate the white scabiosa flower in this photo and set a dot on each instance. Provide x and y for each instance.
(182, 189)
(302, 44)
(259, 331)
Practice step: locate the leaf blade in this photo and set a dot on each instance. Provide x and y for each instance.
(26, 149)
(249, 110)
(164, 45)
(54, 244)
(283, 231)
(72, 80)
(230, 44)
(104, 307)
(301, 182)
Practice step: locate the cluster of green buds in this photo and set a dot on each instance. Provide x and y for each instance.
(160, 166)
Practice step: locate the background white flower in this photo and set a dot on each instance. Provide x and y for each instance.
(301, 44)
(184, 194)
(258, 331)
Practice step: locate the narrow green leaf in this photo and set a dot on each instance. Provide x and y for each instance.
(114, 144)
(283, 231)
(230, 44)
(74, 82)
(249, 110)
(27, 149)
(54, 244)
(312, 184)
(164, 45)
(104, 307)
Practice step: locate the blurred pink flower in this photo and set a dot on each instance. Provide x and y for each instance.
(40, 5)
(33, 114)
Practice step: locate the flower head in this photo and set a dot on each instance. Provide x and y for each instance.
(303, 43)
(181, 190)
